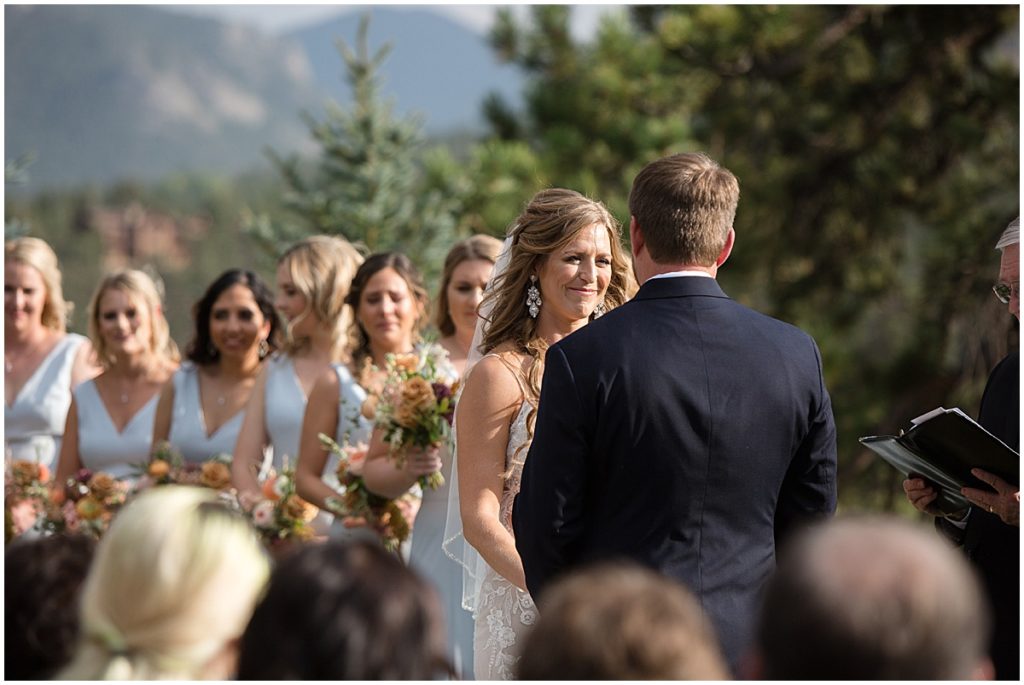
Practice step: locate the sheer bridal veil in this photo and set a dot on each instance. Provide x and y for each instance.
(454, 542)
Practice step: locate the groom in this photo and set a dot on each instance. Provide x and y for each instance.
(681, 430)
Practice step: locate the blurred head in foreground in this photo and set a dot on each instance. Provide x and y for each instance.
(171, 589)
(872, 598)
(345, 611)
(620, 622)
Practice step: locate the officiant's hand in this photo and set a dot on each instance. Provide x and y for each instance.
(921, 495)
(1004, 502)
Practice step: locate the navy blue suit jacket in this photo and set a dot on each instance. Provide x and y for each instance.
(683, 431)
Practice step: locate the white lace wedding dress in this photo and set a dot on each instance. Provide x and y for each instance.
(504, 612)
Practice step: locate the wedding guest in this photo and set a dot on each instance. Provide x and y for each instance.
(620, 621)
(871, 599)
(110, 422)
(389, 301)
(990, 530)
(352, 611)
(655, 421)
(467, 268)
(200, 411)
(565, 267)
(42, 361)
(171, 589)
(313, 279)
(43, 579)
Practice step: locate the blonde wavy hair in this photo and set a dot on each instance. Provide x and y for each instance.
(144, 292)
(174, 580)
(40, 256)
(322, 268)
(550, 221)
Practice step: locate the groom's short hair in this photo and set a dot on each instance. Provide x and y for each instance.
(685, 205)
(871, 598)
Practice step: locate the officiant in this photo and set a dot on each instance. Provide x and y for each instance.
(990, 529)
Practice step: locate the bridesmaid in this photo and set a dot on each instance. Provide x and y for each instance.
(42, 361)
(110, 422)
(200, 412)
(313, 278)
(467, 268)
(389, 301)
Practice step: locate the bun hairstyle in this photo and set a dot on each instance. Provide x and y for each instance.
(322, 268)
(173, 584)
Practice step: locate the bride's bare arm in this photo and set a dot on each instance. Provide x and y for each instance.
(485, 411)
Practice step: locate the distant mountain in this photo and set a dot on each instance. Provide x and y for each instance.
(103, 92)
(436, 67)
(100, 93)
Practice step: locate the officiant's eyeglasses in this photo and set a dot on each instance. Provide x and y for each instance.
(1004, 291)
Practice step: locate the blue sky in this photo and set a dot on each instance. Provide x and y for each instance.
(280, 18)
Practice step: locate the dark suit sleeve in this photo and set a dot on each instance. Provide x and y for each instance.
(547, 516)
(809, 488)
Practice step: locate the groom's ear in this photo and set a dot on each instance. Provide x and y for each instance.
(636, 238)
(730, 240)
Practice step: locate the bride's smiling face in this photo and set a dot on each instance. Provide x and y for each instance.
(573, 280)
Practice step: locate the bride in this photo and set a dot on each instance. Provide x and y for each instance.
(562, 265)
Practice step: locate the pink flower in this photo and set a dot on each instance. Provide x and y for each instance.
(263, 514)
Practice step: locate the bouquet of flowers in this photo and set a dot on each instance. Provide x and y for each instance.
(416, 404)
(87, 503)
(27, 502)
(167, 467)
(280, 514)
(391, 519)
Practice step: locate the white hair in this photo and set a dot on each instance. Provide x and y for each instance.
(1011, 236)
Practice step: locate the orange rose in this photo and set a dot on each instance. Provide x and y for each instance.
(158, 468)
(44, 473)
(215, 475)
(268, 489)
(102, 486)
(58, 496)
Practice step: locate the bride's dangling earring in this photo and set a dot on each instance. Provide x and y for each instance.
(533, 298)
(599, 310)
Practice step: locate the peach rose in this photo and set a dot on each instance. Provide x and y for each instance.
(158, 468)
(417, 397)
(103, 486)
(24, 473)
(407, 362)
(298, 509)
(215, 475)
